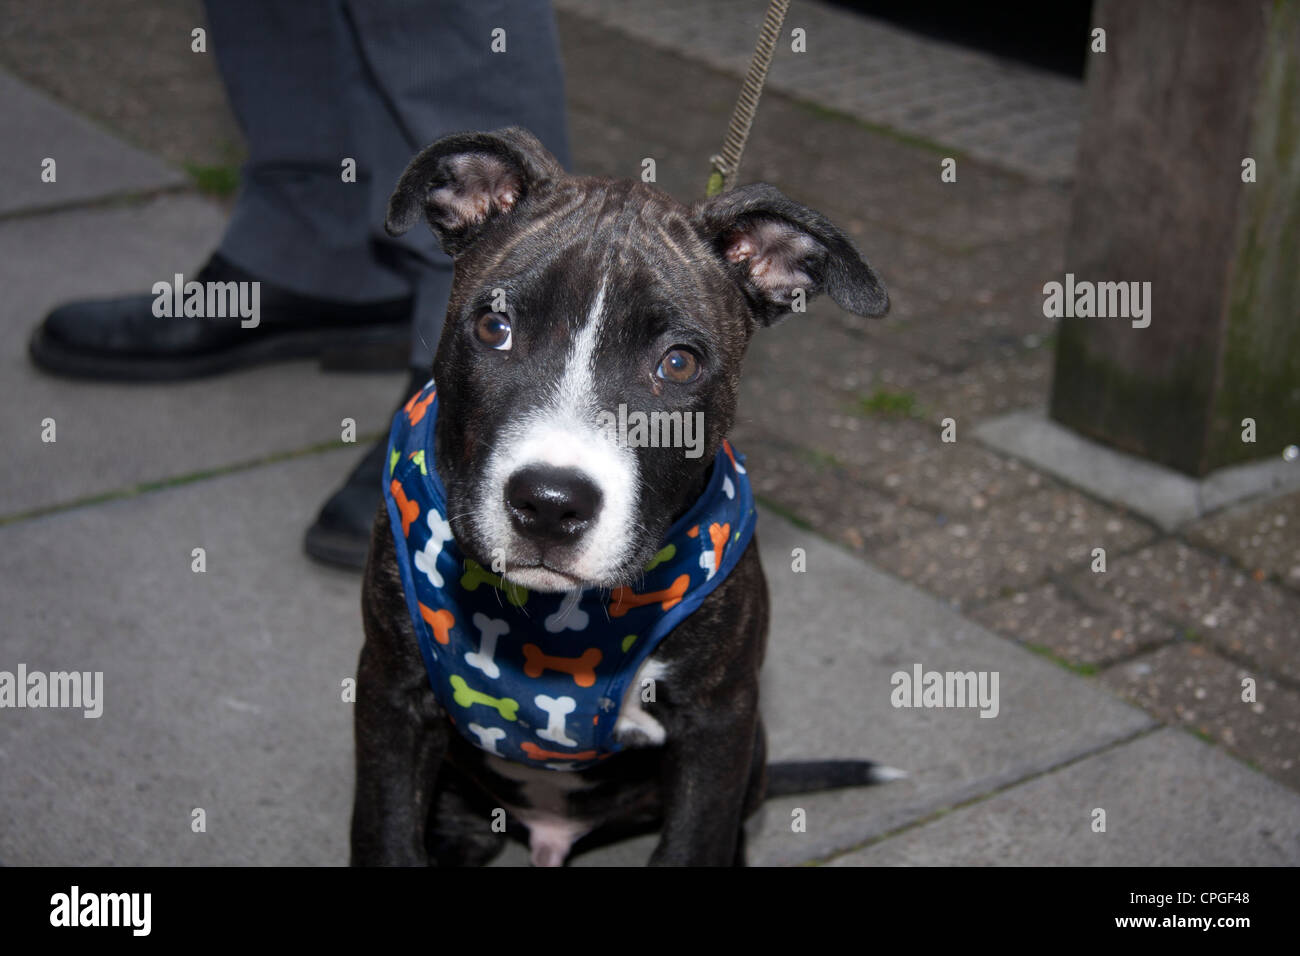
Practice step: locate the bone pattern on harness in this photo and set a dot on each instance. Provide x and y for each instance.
(416, 407)
(489, 630)
(624, 599)
(488, 737)
(554, 667)
(711, 557)
(570, 615)
(440, 622)
(556, 709)
(666, 553)
(426, 560)
(537, 753)
(505, 706)
(740, 469)
(476, 574)
(409, 510)
(582, 667)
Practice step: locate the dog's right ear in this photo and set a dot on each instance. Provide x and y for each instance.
(464, 180)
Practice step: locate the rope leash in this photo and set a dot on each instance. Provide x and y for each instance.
(726, 165)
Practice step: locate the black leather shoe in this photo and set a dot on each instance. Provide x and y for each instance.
(121, 339)
(341, 534)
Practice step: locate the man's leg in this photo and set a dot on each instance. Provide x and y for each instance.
(296, 85)
(298, 228)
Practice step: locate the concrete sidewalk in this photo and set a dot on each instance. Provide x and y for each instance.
(223, 690)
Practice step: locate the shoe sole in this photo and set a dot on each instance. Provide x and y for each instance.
(335, 548)
(366, 348)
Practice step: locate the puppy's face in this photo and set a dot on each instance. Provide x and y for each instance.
(588, 367)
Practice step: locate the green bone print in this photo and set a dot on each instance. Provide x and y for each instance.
(476, 575)
(667, 553)
(504, 706)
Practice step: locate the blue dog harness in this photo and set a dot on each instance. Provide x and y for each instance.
(539, 678)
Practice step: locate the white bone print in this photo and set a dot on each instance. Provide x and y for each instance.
(708, 560)
(489, 629)
(488, 737)
(426, 560)
(557, 708)
(569, 615)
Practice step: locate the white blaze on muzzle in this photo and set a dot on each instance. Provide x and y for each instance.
(565, 432)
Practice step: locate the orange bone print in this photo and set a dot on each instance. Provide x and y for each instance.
(583, 667)
(537, 753)
(625, 598)
(441, 621)
(718, 534)
(415, 409)
(726, 446)
(409, 510)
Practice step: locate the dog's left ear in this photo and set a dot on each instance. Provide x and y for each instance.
(775, 246)
(463, 181)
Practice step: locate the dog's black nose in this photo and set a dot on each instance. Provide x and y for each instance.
(552, 504)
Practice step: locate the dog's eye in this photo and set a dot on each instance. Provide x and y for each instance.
(679, 365)
(493, 330)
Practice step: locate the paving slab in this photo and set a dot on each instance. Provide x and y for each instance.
(824, 496)
(89, 163)
(923, 87)
(895, 183)
(1012, 545)
(962, 274)
(1162, 495)
(111, 436)
(957, 478)
(223, 688)
(1170, 800)
(871, 626)
(1189, 685)
(990, 389)
(814, 348)
(128, 65)
(966, 332)
(1250, 620)
(828, 423)
(801, 147)
(1262, 536)
(1050, 617)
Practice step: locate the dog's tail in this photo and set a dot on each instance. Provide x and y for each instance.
(811, 776)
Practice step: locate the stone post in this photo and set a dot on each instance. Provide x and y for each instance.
(1186, 93)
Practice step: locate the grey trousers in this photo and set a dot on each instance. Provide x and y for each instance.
(316, 82)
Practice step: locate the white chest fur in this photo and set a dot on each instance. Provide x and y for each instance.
(636, 724)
